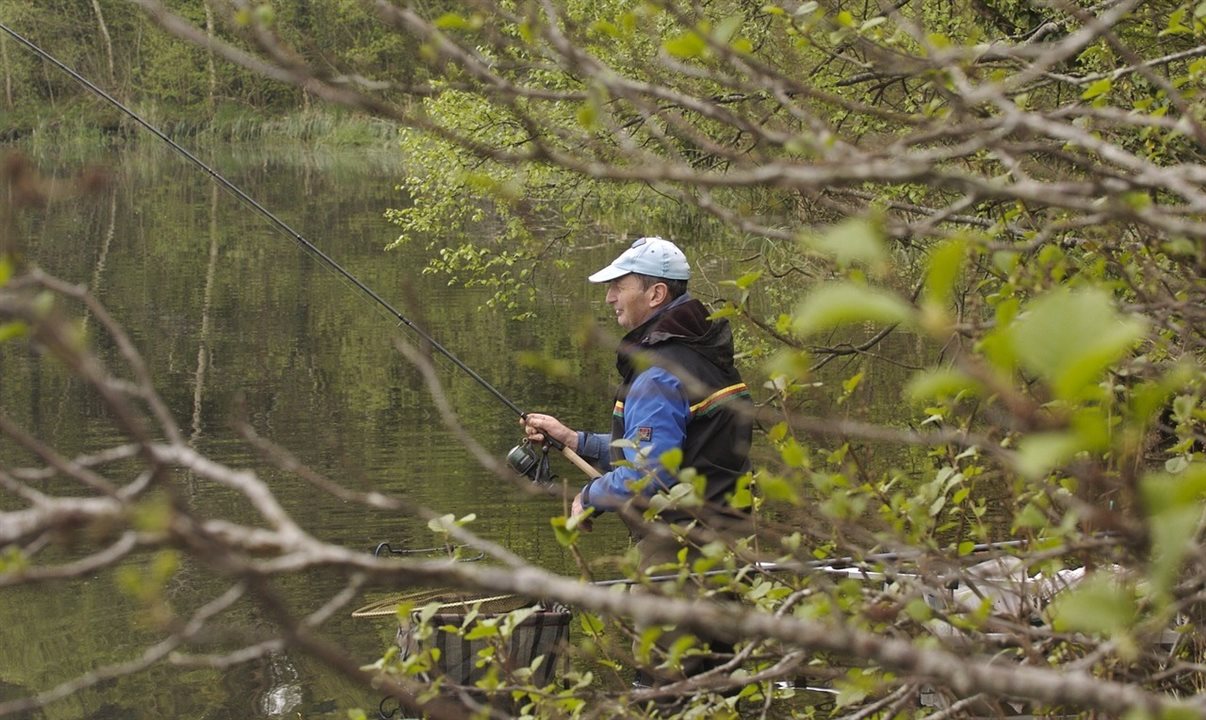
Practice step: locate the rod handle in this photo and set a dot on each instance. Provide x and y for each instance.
(576, 459)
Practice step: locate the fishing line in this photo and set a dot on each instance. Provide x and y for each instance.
(273, 219)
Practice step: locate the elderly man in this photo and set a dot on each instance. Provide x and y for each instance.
(679, 389)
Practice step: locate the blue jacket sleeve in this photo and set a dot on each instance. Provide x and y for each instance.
(594, 447)
(655, 420)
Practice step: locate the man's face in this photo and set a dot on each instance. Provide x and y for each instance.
(632, 302)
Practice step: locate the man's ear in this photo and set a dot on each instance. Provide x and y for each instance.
(661, 294)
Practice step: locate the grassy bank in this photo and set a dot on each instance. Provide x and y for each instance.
(82, 128)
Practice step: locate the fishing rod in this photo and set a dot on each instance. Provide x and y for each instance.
(517, 458)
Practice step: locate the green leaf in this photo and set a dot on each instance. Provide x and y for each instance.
(1176, 23)
(855, 686)
(834, 304)
(742, 45)
(645, 643)
(1069, 338)
(727, 28)
(550, 367)
(12, 330)
(13, 560)
(939, 41)
(672, 459)
(854, 241)
(686, 46)
(603, 27)
(1030, 517)
(747, 280)
(1040, 453)
(945, 265)
(591, 624)
(6, 270)
(452, 21)
(1101, 87)
(577, 521)
(153, 516)
(683, 494)
(1099, 605)
(164, 566)
(1183, 407)
(777, 432)
(527, 32)
(793, 453)
(265, 15)
(779, 489)
(1175, 465)
(1172, 533)
(588, 115)
(938, 383)
(482, 630)
(441, 524)
(918, 610)
(566, 536)
(1174, 506)
(742, 499)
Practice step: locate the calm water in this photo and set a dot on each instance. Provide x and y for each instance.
(230, 313)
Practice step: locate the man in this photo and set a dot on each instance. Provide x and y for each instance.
(679, 389)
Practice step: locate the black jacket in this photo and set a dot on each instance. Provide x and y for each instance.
(682, 342)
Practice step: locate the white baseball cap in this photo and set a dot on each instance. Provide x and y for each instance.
(651, 256)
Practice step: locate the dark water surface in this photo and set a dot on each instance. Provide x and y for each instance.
(233, 317)
(228, 314)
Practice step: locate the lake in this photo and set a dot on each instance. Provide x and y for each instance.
(233, 317)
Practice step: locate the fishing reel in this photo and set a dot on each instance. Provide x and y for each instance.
(531, 462)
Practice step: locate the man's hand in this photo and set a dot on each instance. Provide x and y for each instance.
(536, 426)
(577, 510)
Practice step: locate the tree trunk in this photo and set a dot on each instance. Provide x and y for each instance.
(104, 31)
(8, 72)
(210, 67)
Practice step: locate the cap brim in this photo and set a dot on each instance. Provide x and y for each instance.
(607, 274)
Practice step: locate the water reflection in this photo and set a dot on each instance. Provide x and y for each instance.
(284, 690)
(233, 318)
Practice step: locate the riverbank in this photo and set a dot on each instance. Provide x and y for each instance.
(80, 128)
